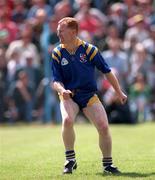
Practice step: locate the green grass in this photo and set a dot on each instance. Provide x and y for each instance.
(36, 152)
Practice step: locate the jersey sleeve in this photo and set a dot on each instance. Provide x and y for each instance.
(96, 58)
(100, 63)
(56, 68)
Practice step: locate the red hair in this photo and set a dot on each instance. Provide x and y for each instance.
(70, 22)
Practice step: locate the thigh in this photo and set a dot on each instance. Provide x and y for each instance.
(96, 114)
(68, 109)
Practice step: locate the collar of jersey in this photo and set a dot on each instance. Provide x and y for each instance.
(79, 42)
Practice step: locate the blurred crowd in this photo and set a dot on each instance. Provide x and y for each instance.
(123, 31)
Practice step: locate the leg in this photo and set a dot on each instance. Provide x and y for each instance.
(69, 110)
(28, 111)
(97, 115)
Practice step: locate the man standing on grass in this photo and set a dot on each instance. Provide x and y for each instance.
(73, 64)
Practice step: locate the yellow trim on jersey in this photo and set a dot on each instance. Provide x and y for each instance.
(93, 54)
(57, 51)
(83, 43)
(55, 58)
(93, 100)
(89, 48)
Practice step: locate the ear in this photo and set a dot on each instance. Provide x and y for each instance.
(74, 32)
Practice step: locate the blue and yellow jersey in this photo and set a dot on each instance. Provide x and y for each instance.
(77, 71)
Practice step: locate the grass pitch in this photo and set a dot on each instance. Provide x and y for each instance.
(36, 152)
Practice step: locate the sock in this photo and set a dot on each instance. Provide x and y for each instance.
(107, 161)
(70, 155)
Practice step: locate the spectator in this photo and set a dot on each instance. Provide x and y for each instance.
(7, 25)
(145, 8)
(53, 38)
(39, 25)
(21, 99)
(89, 18)
(149, 43)
(33, 72)
(136, 29)
(139, 61)
(64, 7)
(19, 13)
(99, 38)
(118, 17)
(22, 45)
(117, 59)
(39, 4)
(112, 33)
(140, 95)
(115, 111)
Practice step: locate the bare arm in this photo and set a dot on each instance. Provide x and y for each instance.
(114, 82)
(59, 87)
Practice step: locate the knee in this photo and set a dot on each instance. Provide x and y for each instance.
(103, 128)
(68, 122)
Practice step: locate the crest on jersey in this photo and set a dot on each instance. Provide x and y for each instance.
(64, 62)
(83, 58)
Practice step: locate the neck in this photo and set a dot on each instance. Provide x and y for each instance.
(72, 44)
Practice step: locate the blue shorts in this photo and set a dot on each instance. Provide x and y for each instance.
(84, 99)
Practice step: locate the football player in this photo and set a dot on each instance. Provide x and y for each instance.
(73, 65)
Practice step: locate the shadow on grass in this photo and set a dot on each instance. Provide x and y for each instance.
(128, 174)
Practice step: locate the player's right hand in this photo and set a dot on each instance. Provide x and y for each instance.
(66, 94)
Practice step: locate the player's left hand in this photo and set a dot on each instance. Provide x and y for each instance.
(122, 98)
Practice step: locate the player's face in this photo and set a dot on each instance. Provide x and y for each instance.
(65, 34)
